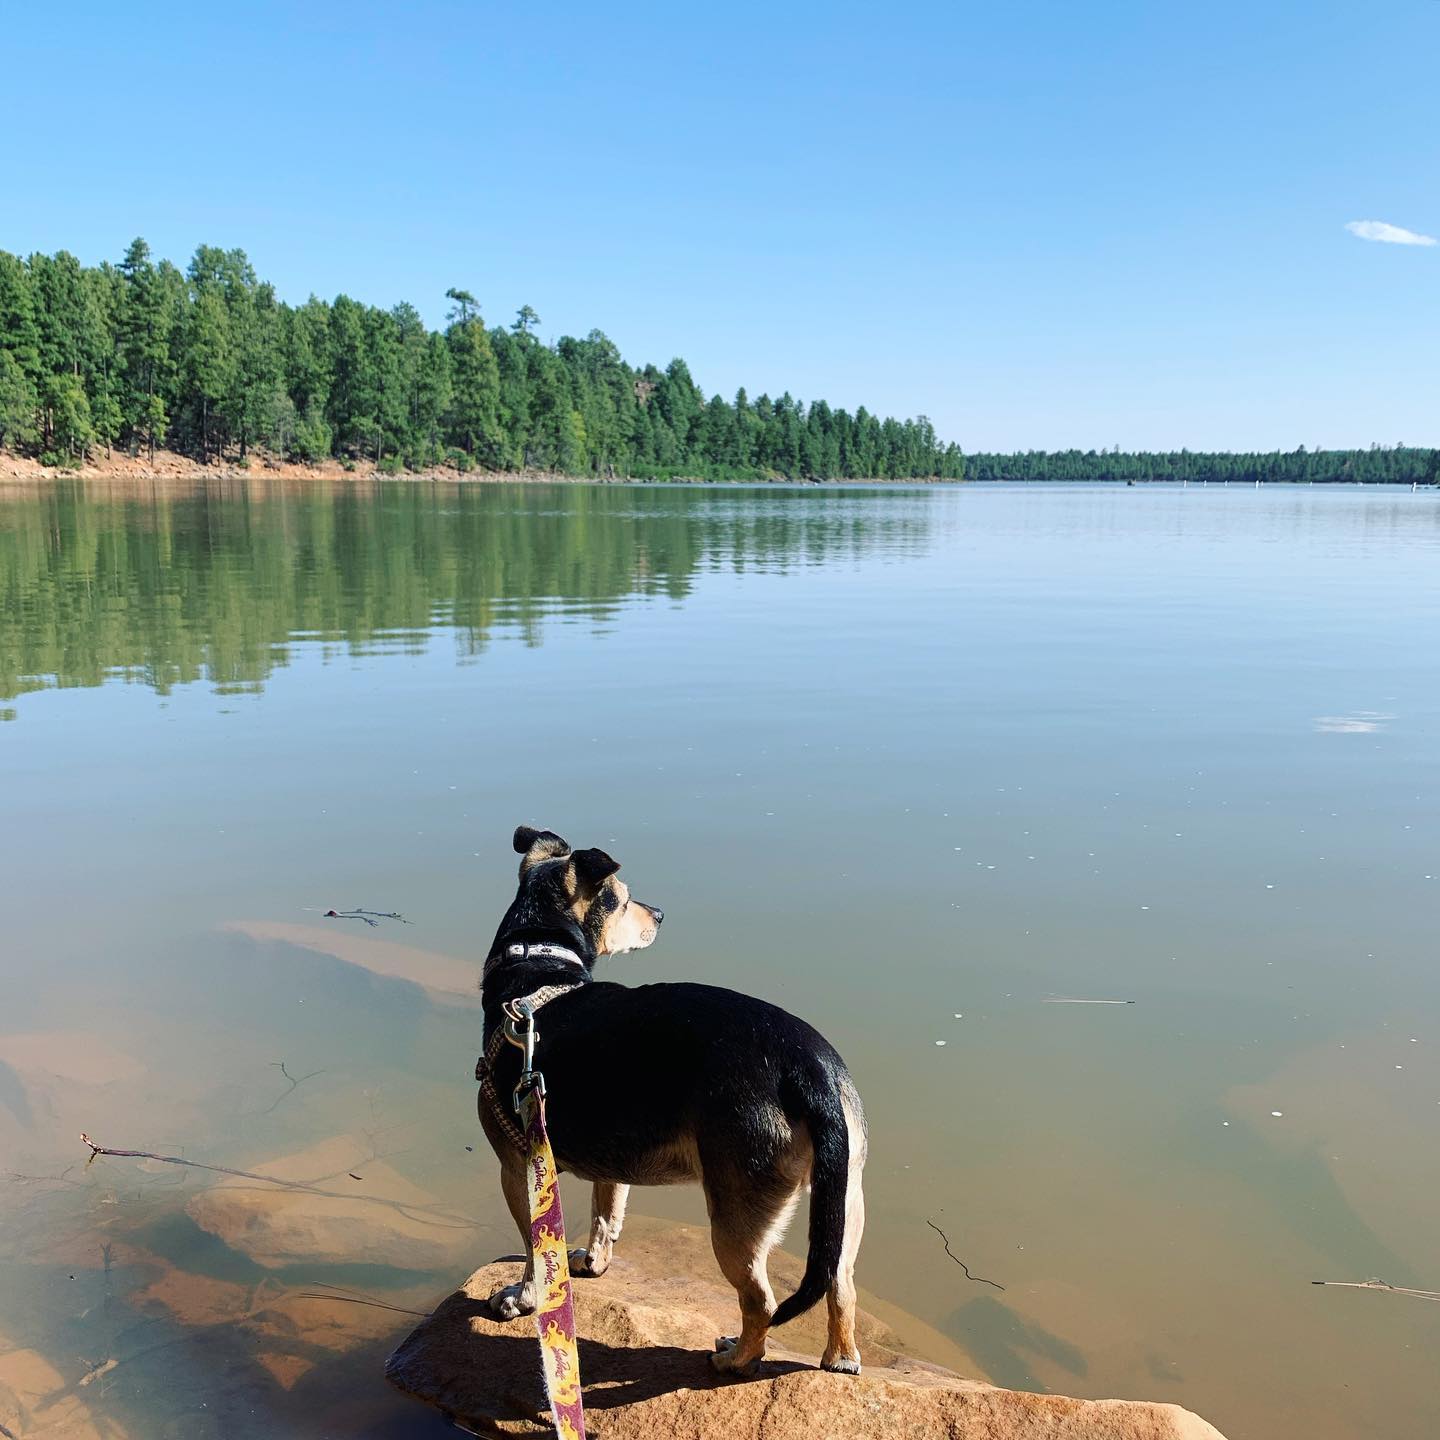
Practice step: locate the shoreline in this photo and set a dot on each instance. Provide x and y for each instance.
(171, 468)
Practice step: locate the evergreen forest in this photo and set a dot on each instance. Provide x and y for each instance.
(208, 362)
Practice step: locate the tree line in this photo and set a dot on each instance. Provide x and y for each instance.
(209, 362)
(1379, 465)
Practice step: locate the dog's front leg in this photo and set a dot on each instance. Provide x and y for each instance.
(607, 1217)
(517, 1299)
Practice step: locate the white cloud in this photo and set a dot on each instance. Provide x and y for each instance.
(1387, 234)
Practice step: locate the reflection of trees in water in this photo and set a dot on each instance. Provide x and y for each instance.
(216, 581)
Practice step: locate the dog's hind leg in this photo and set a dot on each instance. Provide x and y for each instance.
(841, 1352)
(744, 1228)
(607, 1217)
(519, 1298)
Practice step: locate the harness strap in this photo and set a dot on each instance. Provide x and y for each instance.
(500, 1111)
(554, 1304)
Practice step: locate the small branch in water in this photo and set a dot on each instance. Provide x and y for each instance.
(294, 1083)
(333, 1292)
(193, 1165)
(978, 1279)
(370, 917)
(422, 1214)
(1379, 1285)
(61, 1179)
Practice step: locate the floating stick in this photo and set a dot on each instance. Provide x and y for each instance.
(1379, 1285)
(366, 916)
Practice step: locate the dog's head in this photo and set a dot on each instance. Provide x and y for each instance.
(585, 886)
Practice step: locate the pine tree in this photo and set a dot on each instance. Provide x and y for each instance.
(474, 418)
(69, 429)
(255, 325)
(143, 324)
(19, 334)
(434, 394)
(354, 396)
(18, 404)
(392, 395)
(209, 368)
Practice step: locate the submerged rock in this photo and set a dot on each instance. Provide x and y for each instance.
(356, 1211)
(646, 1328)
(444, 978)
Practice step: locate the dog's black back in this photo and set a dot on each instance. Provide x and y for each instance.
(635, 1075)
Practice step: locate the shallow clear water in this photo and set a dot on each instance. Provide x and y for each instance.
(915, 763)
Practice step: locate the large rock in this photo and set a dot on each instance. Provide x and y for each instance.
(646, 1327)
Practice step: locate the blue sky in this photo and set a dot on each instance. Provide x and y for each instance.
(1041, 224)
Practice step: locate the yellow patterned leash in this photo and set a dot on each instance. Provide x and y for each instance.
(554, 1304)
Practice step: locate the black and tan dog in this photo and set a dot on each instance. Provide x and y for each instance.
(663, 1084)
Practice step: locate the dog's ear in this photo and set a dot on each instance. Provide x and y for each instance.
(537, 845)
(593, 868)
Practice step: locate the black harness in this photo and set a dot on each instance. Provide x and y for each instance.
(500, 1112)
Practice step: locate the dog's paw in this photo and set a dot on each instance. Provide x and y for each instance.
(513, 1301)
(587, 1266)
(726, 1362)
(841, 1364)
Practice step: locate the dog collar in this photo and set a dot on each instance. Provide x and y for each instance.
(544, 952)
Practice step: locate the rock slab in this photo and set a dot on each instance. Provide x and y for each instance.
(646, 1327)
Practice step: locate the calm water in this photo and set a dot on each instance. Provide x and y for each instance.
(915, 763)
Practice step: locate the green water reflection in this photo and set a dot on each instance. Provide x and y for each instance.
(217, 583)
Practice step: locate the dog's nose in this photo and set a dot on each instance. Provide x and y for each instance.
(658, 913)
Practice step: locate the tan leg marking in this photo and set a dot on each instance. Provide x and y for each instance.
(742, 1240)
(517, 1299)
(841, 1351)
(607, 1219)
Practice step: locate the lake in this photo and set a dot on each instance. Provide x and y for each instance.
(924, 765)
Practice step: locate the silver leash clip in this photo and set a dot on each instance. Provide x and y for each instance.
(520, 1031)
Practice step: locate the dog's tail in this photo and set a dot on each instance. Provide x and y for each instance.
(823, 1109)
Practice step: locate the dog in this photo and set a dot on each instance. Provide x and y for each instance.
(668, 1084)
